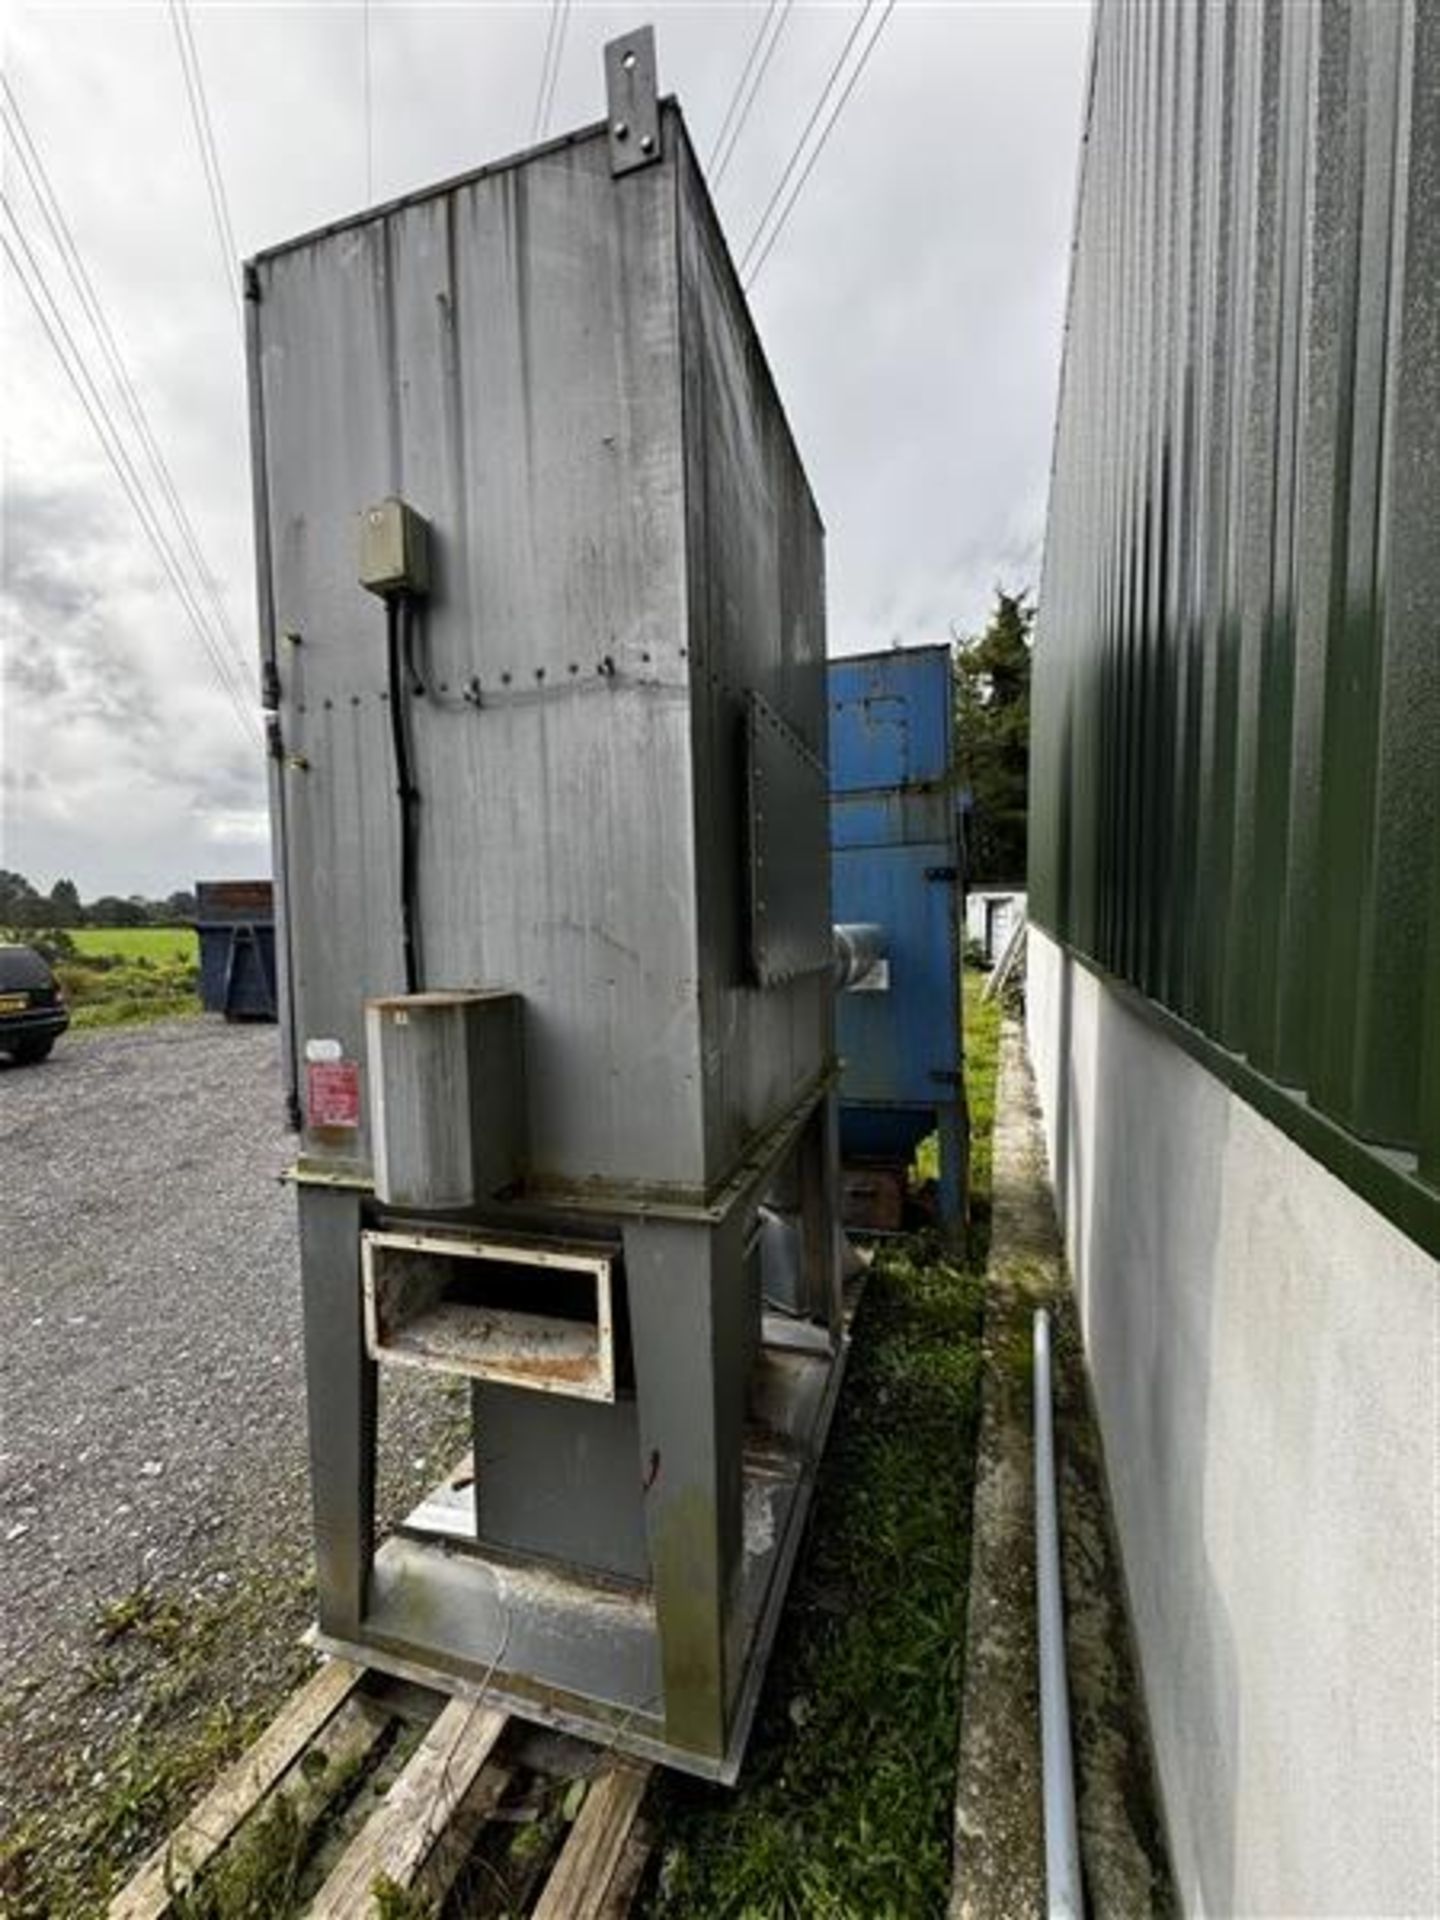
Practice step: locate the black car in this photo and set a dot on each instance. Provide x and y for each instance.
(32, 1007)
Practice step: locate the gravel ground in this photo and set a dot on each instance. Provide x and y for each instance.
(151, 1397)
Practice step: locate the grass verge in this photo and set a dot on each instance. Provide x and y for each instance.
(156, 1654)
(982, 1066)
(127, 1001)
(844, 1809)
(122, 976)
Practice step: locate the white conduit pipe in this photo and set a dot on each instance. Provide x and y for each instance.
(1064, 1900)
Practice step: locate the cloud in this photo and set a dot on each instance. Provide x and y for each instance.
(35, 673)
(117, 751)
(235, 829)
(911, 313)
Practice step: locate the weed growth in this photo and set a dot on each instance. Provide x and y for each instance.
(394, 1902)
(106, 990)
(844, 1810)
(150, 1616)
(65, 1860)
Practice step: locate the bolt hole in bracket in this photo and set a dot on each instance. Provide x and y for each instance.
(632, 101)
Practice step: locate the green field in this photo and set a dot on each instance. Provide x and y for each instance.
(116, 976)
(137, 943)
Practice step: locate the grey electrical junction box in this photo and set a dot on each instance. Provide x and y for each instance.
(394, 549)
(613, 853)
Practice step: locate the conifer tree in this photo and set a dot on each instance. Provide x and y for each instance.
(992, 725)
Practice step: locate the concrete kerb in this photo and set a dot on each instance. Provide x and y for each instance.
(999, 1839)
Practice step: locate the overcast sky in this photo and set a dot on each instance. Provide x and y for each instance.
(911, 311)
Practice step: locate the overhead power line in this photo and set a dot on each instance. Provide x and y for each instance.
(369, 115)
(31, 276)
(48, 201)
(205, 138)
(815, 112)
(555, 67)
(550, 27)
(722, 156)
(745, 72)
(550, 67)
(748, 271)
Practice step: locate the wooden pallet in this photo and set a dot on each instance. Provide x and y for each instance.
(362, 1782)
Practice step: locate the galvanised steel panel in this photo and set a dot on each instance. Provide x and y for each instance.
(1235, 799)
(557, 369)
(895, 862)
(755, 580)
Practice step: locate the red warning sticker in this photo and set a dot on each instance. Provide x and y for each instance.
(333, 1093)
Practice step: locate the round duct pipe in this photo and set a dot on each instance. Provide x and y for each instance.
(861, 949)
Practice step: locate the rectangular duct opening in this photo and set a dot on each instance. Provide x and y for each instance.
(528, 1313)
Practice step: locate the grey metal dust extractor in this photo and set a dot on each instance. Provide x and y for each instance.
(541, 585)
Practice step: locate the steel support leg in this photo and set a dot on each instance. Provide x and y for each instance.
(340, 1399)
(688, 1314)
(819, 1166)
(954, 1126)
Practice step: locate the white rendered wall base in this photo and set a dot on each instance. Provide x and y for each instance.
(1265, 1354)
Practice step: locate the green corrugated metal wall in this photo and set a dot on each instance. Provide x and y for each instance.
(1236, 790)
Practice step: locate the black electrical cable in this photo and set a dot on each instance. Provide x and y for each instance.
(410, 628)
(412, 654)
(397, 647)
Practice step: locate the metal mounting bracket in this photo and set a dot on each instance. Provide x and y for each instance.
(632, 101)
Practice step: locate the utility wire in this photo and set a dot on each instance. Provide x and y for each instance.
(93, 401)
(738, 128)
(749, 277)
(43, 191)
(550, 26)
(205, 137)
(555, 66)
(369, 115)
(745, 72)
(815, 112)
(550, 67)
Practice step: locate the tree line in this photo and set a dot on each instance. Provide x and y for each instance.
(992, 728)
(24, 905)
